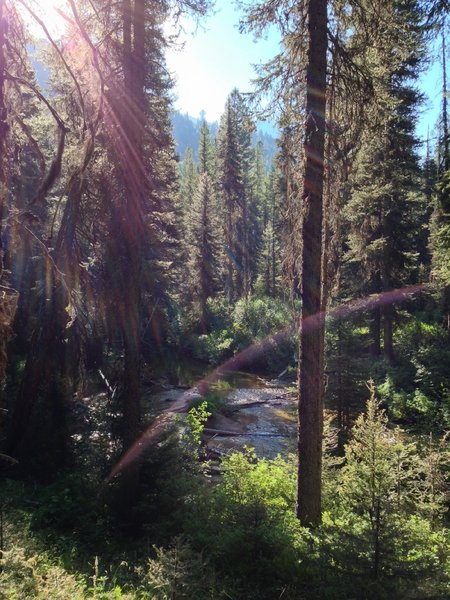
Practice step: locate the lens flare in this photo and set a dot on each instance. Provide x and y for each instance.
(154, 432)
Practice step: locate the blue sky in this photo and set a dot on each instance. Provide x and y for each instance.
(216, 57)
(430, 83)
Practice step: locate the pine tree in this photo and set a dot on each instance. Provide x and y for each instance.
(205, 151)
(205, 251)
(234, 151)
(440, 244)
(48, 376)
(269, 258)
(387, 485)
(382, 210)
(187, 188)
(117, 217)
(440, 221)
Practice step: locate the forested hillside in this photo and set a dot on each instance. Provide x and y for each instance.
(224, 360)
(186, 132)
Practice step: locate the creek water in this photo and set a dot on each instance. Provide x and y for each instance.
(258, 414)
(253, 412)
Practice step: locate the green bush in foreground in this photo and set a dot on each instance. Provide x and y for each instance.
(382, 530)
(382, 534)
(385, 529)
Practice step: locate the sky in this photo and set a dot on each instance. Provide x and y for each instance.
(430, 84)
(215, 58)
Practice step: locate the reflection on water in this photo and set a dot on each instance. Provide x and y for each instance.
(251, 411)
(259, 416)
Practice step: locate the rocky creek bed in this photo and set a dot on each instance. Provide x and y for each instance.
(260, 415)
(255, 413)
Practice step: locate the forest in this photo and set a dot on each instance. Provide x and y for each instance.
(224, 374)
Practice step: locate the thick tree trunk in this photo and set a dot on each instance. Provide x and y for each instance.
(311, 331)
(52, 359)
(3, 124)
(131, 225)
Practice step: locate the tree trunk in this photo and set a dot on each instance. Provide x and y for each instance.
(131, 227)
(388, 327)
(310, 372)
(3, 124)
(375, 333)
(37, 432)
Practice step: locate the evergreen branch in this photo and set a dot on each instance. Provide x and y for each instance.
(58, 51)
(26, 130)
(55, 168)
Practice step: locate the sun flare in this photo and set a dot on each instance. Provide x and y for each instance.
(53, 15)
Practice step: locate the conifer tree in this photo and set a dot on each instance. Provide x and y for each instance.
(47, 379)
(269, 261)
(205, 151)
(440, 244)
(440, 221)
(187, 190)
(256, 209)
(118, 215)
(234, 151)
(375, 47)
(204, 242)
(387, 484)
(382, 210)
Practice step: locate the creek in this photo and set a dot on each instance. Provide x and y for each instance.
(252, 412)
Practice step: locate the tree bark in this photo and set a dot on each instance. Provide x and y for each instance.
(131, 227)
(310, 372)
(3, 123)
(375, 333)
(388, 330)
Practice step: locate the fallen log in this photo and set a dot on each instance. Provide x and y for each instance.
(222, 432)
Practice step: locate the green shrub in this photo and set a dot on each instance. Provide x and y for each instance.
(246, 524)
(23, 577)
(419, 389)
(176, 573)
(214, 347)
(379, 533)
(215, 398)
(196, 419)
(250, 321)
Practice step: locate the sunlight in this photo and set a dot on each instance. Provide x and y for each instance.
(52, 13)
(241, 361)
